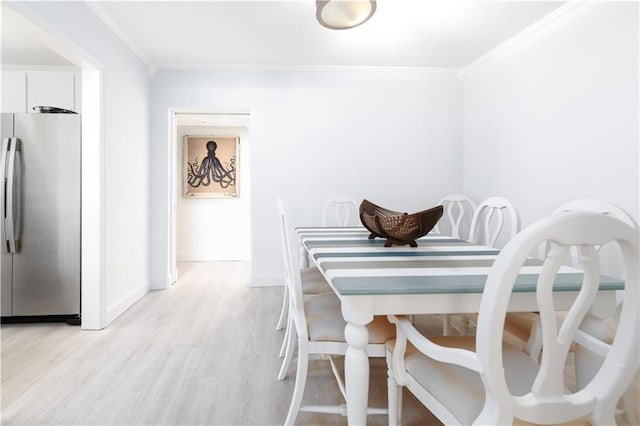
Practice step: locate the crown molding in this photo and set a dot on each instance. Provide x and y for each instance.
(106, 19)
(532, 29)
(27, 67)
(302, 68)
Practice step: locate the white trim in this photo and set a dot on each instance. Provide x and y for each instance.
(172, 247)
(26, 68)
(93, 214)
(267, 280)
(115, 28)
(300, 68)
(159, 284)
(198, 256)
(215, 111)
(118, 308)
(559, 13)
(171, 226)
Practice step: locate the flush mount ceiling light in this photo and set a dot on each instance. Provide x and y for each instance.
(344, 14)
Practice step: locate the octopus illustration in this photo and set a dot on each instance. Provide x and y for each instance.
(211, 170)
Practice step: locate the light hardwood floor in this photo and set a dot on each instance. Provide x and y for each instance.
(202, 352)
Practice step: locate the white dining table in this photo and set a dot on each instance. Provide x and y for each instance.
(443, 275)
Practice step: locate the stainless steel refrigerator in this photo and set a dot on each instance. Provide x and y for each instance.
(40, 206)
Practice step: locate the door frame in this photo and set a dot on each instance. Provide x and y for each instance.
(174, 145)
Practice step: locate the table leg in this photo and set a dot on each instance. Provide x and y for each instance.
(357, 373)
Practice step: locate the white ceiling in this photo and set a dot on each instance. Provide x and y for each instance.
(22, 43)
(402, 33)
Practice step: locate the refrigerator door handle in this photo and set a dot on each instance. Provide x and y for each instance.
(13, 196)
(3, 193)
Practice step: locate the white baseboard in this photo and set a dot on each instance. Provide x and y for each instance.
(211, 257)
(159, 284)
(267, 280)
(119, 307)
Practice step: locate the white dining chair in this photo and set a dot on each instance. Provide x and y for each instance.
(483, 380)
(495, 221)
(320, 331)
(312, 284)
(458, 213)
(337, 211)
(340, 210)
(455, 222)
(523, 329)
(522, 326)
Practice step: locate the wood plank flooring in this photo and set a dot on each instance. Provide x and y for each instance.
(201, 353)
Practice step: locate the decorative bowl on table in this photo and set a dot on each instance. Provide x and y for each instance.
(397, 227)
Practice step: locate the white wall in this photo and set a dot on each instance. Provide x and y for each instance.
(214, 229)
(391, 136)
(125, 146)
(554, 117)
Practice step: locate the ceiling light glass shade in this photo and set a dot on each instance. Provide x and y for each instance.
(343, 14)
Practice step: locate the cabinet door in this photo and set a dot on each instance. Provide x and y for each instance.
(14, 91)
(50, 88)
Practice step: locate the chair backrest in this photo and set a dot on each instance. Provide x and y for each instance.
(495, 219)
(596, 206)
(456, 221)
(292, 271)
(341, 210)
(547, 400)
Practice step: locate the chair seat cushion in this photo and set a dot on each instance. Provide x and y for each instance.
(321, 305)
(330, 328)
(459, 389)
(313, 282)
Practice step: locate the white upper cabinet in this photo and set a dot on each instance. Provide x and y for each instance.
(14, 91)
(23, 89)
(51, 88)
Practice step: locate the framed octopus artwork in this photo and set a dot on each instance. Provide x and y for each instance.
(211, 166)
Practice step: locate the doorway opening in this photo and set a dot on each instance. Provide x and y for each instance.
(210, 228)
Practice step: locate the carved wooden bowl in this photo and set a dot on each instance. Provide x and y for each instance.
(397, 227)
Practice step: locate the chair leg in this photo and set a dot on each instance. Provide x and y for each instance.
(298, 390)
(446, 324)
(285, 339)
(393, 392)
(400, 390)
(465, 324)
(394, 395)
(533, 346)
(283, 310)
(629, 406)
(290, 346)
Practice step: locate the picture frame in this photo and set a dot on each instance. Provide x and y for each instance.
(210, 166)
